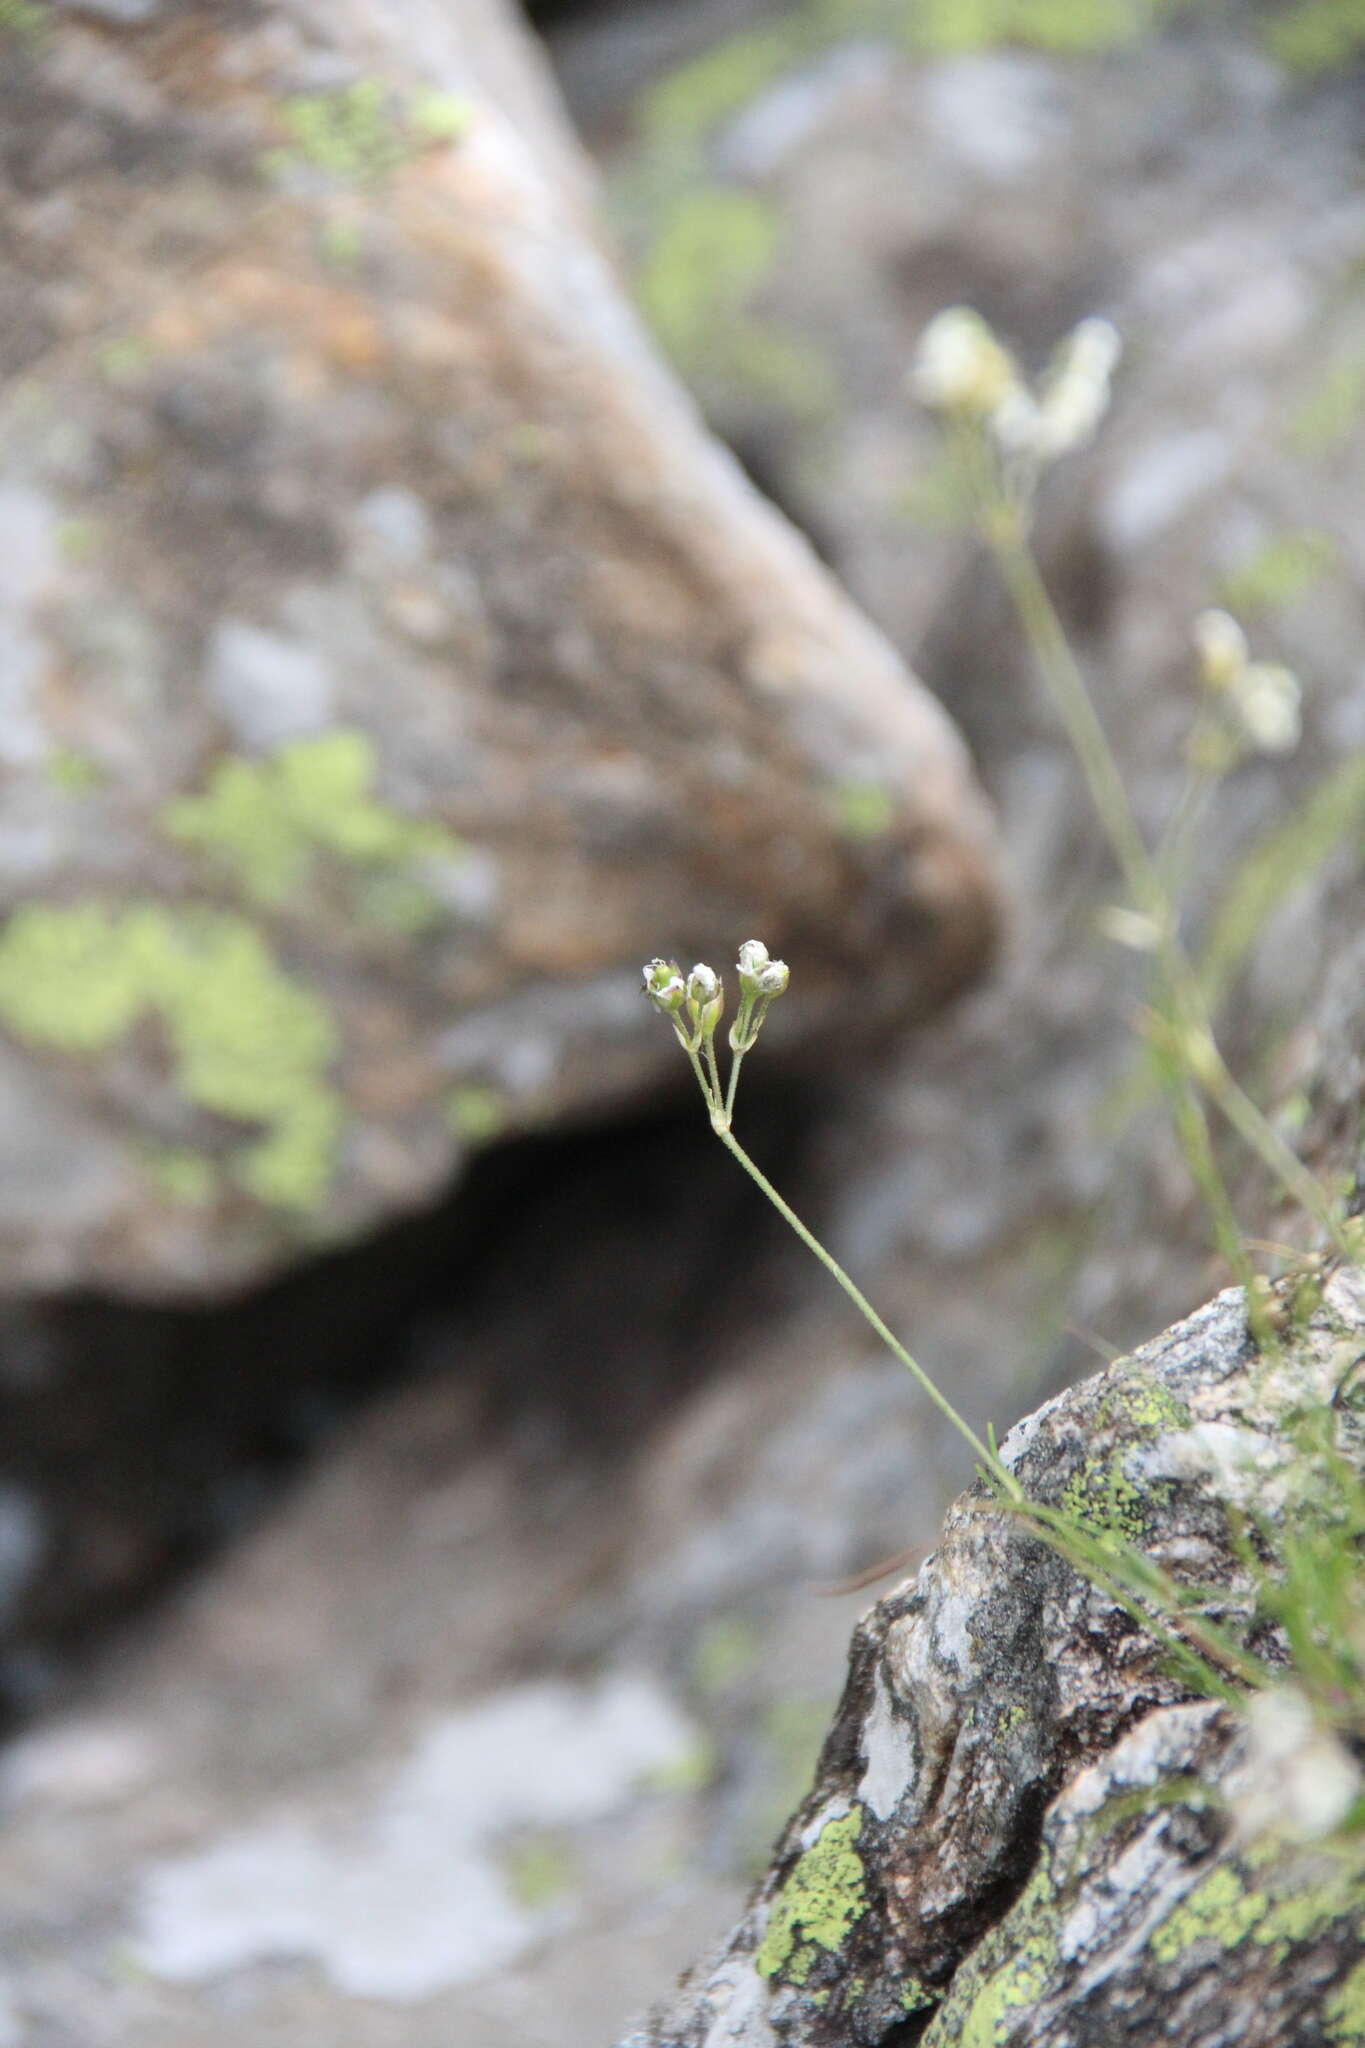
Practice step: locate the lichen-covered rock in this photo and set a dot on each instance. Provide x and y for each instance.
(388, 662)
(1011, 1836)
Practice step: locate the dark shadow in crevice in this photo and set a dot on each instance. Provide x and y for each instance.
(579, 1286)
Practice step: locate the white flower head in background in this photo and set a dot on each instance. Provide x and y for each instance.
(960, 368)
(1262, 699)
(1299, 1780)
(1076, 389)
(1268, 702)
(1221, 648)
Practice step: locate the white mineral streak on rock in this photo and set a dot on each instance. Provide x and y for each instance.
(889, 1748)
(742, 1997)
(410, 1898)
(94, 1761)
(1237, 1461)
(810, 1834)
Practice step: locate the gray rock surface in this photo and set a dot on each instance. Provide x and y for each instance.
(389, 661)
(1011, 1833)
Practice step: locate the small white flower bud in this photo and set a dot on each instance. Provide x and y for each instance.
(960, 367)
(1131, 928)
(1016, 422)
(773, 979)
(1076, 389)
(664, 986)
(705, 1000)
(1221, 647)
(1267, 701)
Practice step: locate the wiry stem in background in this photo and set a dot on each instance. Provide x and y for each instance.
(1002, 527)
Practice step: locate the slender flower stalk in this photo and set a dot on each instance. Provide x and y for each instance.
(701, 998)
(694, 1005)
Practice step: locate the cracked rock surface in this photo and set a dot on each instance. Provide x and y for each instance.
(1010, 1837)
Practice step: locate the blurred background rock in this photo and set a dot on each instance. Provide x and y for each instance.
(381, 639)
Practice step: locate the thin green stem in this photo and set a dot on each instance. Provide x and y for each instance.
(1061, 672)
(712, 1102)
(1174, 856)
(1002, 527)
(717, 1092)
(1000, 1472)
(736, 1060)
(1192, 1129)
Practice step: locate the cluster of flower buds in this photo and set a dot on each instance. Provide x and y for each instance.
(760, 979)
(695, 1004)
(962, 371)
(1261, 699)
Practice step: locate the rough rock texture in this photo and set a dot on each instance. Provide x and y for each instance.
(389, 662)
(996, 1847)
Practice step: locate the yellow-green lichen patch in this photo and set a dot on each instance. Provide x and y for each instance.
(1331, 409)
(1280, 572)
(267, 823)
(540, 1870)
(1312, 36)
(1069, 28)
(862, 810)
(1220, 1910)
(361, 132)
(1102, 1497)
(71, 772)
(183, 1178)
(475, 1113)
(712, 249)
(1278, 1912)
(1344, 2011)
(24, 20)
(248, 1044)
(914, 1996)
(725, 1653)
(818, 1905)
(1008, 1973)
(1143, 1404)
(689, 102)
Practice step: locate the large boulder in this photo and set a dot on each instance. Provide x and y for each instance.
(390, 662)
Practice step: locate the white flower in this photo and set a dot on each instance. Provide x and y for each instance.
(664, 985)
(753, 958)
(960, 367)
(1075, 394)
(1267, 698)
(1298, 1779)
(1221, 646)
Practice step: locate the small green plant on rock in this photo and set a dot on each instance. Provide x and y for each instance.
(1306, 1717)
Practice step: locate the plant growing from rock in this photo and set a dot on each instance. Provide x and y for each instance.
(1306, 1714)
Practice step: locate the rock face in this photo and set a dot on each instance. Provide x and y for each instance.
(1010, 1837)
(389, 661)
